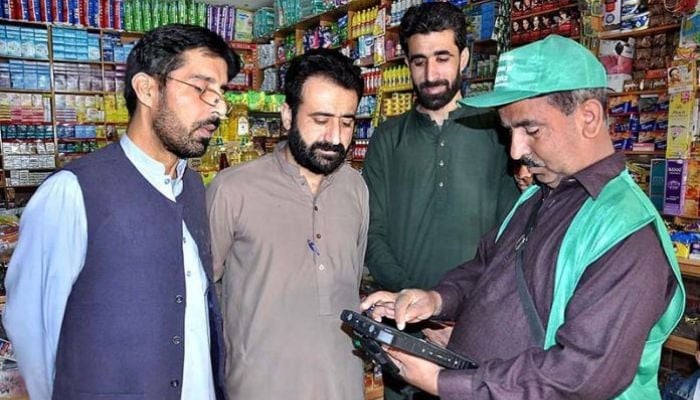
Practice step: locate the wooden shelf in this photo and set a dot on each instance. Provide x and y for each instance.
(638, 92)
(476, 3)
(255, 113)
(634, 33)
(689, 267)
(333, 14)
(542, 12)
(7, 57)
(33, 91)
(397, 89)
(83, 92)
(394, 59)
(684, 217)
(682, 345)
(659, 153)
(484, 42)
(93, 62)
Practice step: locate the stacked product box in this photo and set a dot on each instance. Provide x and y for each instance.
(144, 15)
(639, 123)
(657, 182)
(23, 161)
(232, 23)
(75, 44)
(288, 12)
(79, 108)
(682, 189)
(94, 13)
(309, 8)
(26, 132)
(115, 109)
(77, 77)
(25, 75)
(482, 19)
(27, 42)
(264, 22)
(25, 108)
(113, 50)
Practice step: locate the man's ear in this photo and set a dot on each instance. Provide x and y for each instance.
(286, 114)
(145, 88)
(463, 59)
(591, 117)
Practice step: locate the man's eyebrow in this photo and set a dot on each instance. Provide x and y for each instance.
(436, 53)
(210, 80)
(521, 124)
(330, 115)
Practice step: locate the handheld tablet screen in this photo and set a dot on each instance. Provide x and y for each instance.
(368, 329)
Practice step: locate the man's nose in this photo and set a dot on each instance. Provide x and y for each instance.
(333, 133)
(518, 146)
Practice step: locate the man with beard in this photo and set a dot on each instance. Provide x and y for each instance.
(437, 175)
(576, 292)
(110, 291)
(289, 232)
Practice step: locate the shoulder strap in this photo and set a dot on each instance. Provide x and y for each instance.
(536, 325)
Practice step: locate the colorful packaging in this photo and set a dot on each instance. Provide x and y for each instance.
(676, 175)
(657, 182)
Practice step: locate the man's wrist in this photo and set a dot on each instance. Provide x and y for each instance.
(437, 301)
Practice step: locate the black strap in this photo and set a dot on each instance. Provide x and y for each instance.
(536, 326)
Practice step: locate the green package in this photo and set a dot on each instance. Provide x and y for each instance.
(191, 12)
(256, 100)
(146, 16)
(138, 16)
(164, 12)
(128, 17)
(182, 11)
(172, 12)
(156, 12)
(202, 14)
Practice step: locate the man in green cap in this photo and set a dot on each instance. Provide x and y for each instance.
(575, 294)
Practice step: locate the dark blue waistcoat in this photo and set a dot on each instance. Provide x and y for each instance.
(123, 334)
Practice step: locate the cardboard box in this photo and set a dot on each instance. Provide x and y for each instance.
(657, 182)
(243, 26)
(676, 175)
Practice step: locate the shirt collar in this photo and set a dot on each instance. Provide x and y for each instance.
(458, 113)
(293, 169)
(594, 177)
(152, 170)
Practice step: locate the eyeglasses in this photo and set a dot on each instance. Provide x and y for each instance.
(209, 96)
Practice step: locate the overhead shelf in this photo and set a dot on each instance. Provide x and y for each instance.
(682, 345)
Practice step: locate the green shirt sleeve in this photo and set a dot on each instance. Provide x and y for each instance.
(379, 258)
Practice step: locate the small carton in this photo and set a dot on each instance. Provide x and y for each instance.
(657, 182)
(676, 175)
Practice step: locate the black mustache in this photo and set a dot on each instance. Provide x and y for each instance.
(528, 162)
(428, 84)
(326, 146)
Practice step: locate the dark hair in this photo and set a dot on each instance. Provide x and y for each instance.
(434, 17)
(567, 101)
(160, 50)
(327, 63)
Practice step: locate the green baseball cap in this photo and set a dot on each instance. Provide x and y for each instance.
(553, 64)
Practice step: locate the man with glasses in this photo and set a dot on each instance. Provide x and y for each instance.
(288, 237)
(109, 291)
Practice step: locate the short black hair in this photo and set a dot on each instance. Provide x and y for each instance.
(327, 63)
(434, 17)
(159, 52)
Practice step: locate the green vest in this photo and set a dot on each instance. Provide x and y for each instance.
(599, 225)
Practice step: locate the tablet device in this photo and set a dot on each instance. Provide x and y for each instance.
(369, 330)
